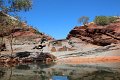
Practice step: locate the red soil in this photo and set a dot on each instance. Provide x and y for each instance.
(78, 60)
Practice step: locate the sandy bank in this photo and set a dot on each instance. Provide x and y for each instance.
(78, 60)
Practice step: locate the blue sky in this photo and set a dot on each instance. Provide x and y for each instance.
(58, 17)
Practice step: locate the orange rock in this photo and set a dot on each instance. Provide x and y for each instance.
(15, 60)
(71, 49)
(48, 59)
(64, 48)
(53, 49)
(9, 60)
(78, 60)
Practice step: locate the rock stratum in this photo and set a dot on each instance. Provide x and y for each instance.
(22, 34)
(98, 35)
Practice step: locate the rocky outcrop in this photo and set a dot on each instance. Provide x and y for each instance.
(22, 33)
(27, 57)
(98, 35)
(29, 34)
(53, 49)
(2, 47)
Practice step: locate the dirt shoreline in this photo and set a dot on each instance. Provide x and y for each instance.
(79, 60)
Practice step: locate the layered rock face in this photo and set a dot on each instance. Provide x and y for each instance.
(21, 33)
(98, 35)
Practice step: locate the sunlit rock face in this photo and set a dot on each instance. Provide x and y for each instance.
(23, 33)
(98, 35)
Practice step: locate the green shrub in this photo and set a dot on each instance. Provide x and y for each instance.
(112, 19)
(38, 32)
(101, 20)
(104, 20)
(83, 19)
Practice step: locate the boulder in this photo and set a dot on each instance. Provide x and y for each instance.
(2, 47)
(64, 48)
(53, 49)
(39, 47)
(22, 54)
(44, 57)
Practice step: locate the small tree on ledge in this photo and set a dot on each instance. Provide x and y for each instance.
(83, 20)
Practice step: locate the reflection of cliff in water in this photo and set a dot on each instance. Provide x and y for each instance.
(41, 71)
(97, 75)
(34, 65)
(43, 65)
(105, 75)
(23, 67)
(2, 72)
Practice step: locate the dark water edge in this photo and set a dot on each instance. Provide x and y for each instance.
(42, 71)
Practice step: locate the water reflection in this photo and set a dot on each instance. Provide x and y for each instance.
(23, 67)
(2, 73)
(42, 71)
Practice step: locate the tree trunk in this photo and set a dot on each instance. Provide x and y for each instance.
(2, 40)
(11, 45)
(11, 72)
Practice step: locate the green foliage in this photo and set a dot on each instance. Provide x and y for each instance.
(112, 19)
(15, 5)
(37, 31)
(104, 20)
(84, 20)
(18, 5)
(101, 20)
(7, 22)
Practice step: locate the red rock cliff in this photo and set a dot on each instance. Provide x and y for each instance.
(98, 35)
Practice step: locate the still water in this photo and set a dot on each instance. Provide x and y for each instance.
(40, 71)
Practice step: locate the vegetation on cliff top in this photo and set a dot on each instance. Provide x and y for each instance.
(83, 20)
(15, 5)
(104, 20)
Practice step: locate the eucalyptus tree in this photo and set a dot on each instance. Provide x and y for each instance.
(7, 22)
(83, 20)
(15, 5)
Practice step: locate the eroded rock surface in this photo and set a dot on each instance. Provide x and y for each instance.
(100, 35)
